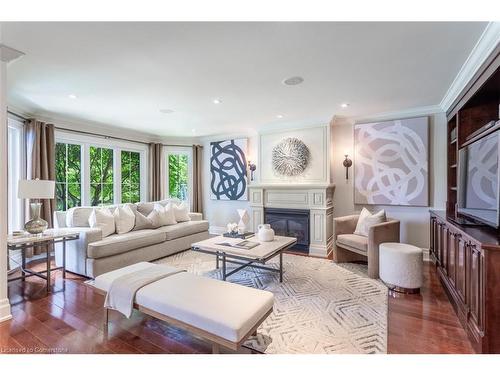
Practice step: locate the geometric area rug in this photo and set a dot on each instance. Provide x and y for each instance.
(320, 308)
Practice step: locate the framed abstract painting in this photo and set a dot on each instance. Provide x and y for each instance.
(391, 162)
(228, 170)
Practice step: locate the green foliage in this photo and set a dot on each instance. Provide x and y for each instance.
(101, 176)
(131, 177)
(68, 176)
(178, 176)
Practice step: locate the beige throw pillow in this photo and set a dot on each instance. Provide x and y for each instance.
(124, 219)
(366, 220)
(102, 218)
(181, 212)
(152, 221)
(167, 216)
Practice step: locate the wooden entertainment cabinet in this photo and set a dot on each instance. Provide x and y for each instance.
(467, 257)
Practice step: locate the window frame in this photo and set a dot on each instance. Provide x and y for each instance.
(18, 206)
(176, 150)
(87, 141)
(81, 167)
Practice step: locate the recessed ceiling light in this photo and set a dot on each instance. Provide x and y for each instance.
(344, 105)
(279, 116)
(292, 81)
(193, 130)
(217, 101)
(72, 96)
(166, 111)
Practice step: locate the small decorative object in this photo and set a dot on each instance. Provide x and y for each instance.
(347, 164)
(265, 233)
(290, 157)
(392, 162)
(244, 220)
(232, 228)
(36, 189)
(252, 168)
(243, 236)
(228, 169)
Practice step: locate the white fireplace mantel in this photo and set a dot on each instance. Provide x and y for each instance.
(315, 197)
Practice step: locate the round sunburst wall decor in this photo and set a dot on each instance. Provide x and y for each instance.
(290, 157)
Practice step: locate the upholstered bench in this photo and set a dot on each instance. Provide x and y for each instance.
(401, 266)
(224, 313)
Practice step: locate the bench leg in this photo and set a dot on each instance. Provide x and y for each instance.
(106, 321)
(215, 348)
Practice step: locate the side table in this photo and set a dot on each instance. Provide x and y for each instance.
(49, 238)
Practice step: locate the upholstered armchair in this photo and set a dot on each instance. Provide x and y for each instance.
(350, 247)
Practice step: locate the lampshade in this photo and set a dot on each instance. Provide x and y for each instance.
(36, 189)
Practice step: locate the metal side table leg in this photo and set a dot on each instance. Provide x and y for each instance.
(48, 267)
(224, 267)
(281, 266)
(64, 257)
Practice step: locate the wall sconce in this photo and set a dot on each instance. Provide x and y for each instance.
(347, 164)
(252, 168)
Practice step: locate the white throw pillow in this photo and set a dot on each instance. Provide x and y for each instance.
(167, 215)
(181, 212)
(102, 218)
(366, 220)
(124, 219)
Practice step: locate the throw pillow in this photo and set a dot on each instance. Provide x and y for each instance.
(124, 219)
(366, 220)
(167, 216)
(152, 221)
(181, 212)
(102, 218)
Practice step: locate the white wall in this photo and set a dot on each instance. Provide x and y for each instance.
(219, 213)
(414, 220)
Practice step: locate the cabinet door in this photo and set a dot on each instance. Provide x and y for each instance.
(460, 268)
(451, 256)
(444, 249)
(475, 285)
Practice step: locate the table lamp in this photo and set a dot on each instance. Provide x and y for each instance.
(36, 189)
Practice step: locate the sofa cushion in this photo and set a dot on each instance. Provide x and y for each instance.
(103, 218)
(367, 219)
(78, 217)
(150, 221)
(354, 241)
(183, 229)
(181, 211)
(121, 243)
(124, 219)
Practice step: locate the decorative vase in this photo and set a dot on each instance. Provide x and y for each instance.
(265, 233)
(244, 220)
(36, 225)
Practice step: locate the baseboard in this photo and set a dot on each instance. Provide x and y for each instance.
(5, 313)
(427, 256)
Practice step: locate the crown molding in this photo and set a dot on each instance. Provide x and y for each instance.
(404, 113)
(487, 42)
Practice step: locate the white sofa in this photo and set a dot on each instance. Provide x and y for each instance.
(92, 255)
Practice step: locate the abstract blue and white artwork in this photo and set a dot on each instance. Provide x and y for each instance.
(228, 169)
(391, 164)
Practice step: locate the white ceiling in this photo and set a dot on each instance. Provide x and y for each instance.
(123, 74)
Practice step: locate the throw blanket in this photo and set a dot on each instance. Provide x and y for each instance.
(121, 293)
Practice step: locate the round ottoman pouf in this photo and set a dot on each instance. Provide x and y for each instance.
(400, 266)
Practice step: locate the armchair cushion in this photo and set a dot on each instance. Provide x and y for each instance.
(353, 241)
(367, 219)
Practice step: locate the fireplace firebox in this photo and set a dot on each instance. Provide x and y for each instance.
(290, 223)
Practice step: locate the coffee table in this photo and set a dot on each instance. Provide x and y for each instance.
(245, 258)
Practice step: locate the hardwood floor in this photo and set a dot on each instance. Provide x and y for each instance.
(69, 320)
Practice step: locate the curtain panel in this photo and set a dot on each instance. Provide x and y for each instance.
(41, 164)
(197, 204)
(157, 175)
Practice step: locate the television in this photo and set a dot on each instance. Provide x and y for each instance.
(478, 185)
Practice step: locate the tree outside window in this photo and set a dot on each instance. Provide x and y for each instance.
(131, 176)
(178, 176)
(68, 176)
(101, 176)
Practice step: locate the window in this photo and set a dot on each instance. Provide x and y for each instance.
(93, 171)
(178, 180)
(68, 175)
(131, 176)
(15, 173)
(101, 176)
